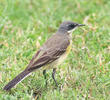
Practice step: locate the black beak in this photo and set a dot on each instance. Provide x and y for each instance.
(80, 25)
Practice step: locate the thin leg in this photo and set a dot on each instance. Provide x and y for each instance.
(53, 76)
(44, 73)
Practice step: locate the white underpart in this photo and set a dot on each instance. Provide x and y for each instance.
(71, 30)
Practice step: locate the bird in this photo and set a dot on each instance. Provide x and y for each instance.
(50, 55)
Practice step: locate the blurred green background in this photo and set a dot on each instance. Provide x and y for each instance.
(26, 24)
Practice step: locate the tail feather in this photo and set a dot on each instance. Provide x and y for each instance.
(16, 80)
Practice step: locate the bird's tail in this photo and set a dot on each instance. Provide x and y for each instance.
(16, 80)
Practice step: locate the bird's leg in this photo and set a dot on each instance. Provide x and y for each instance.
(44, 73)
(53, 76)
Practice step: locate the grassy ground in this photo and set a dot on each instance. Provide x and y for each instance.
(26, 24)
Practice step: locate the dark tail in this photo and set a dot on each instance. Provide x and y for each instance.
(16, 80)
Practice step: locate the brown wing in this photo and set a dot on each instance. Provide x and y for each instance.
(51, 50)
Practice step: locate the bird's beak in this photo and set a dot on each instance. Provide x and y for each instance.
(80, 25)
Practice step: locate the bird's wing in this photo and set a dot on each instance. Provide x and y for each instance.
(49, 55)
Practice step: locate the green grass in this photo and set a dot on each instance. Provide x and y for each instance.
(26, 24)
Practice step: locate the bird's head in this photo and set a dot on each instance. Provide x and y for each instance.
(68, 26)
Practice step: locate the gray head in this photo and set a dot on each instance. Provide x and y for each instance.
(68, 26)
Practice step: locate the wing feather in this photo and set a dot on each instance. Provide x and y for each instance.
(49, 55)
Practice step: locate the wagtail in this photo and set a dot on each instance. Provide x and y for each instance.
(50, 55)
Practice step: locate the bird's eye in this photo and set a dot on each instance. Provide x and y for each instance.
(71, 25)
